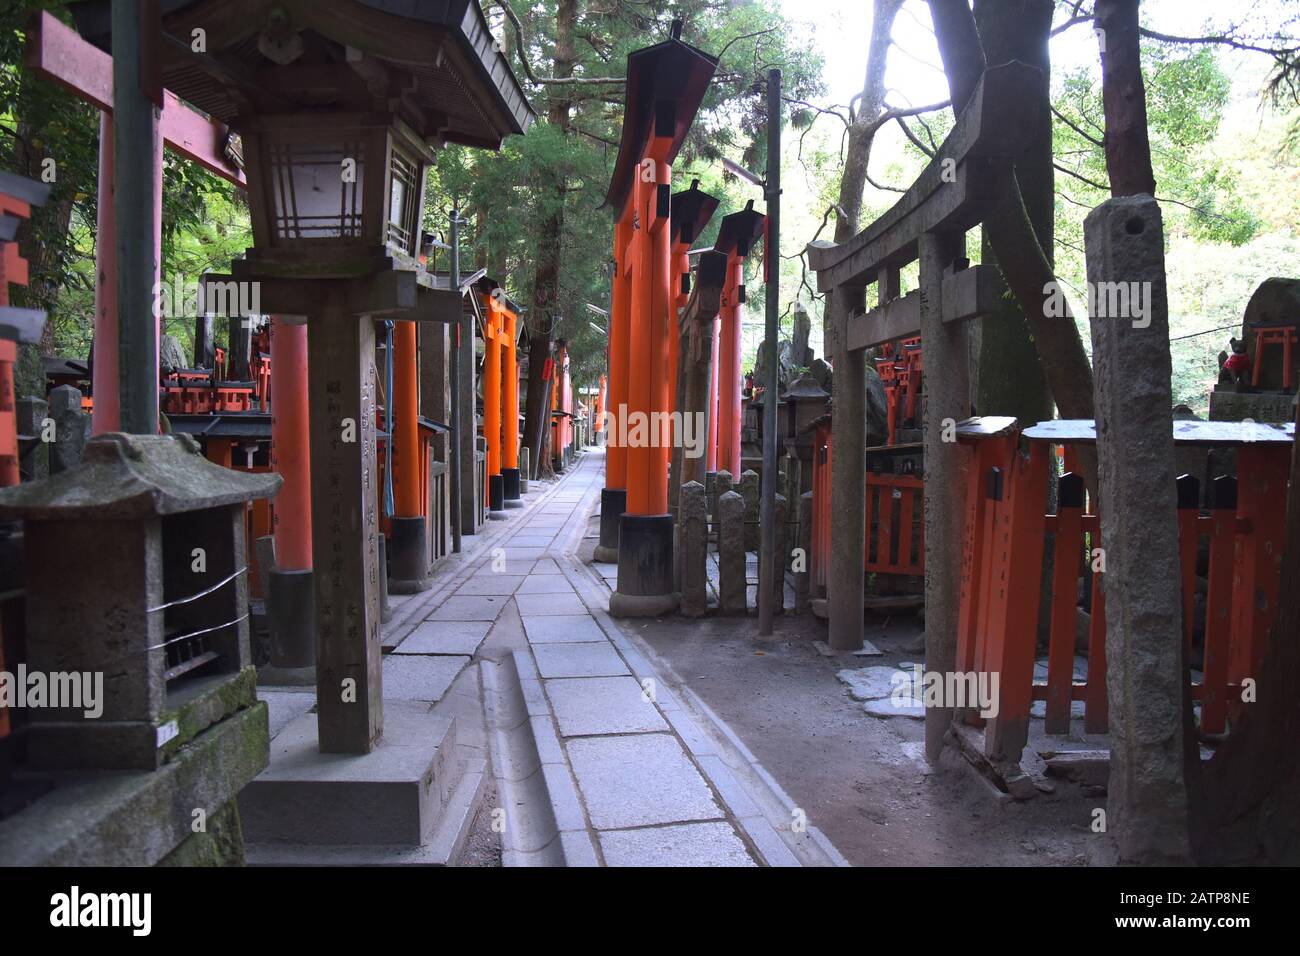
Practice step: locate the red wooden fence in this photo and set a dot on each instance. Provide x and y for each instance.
(1005, 540)
(894, 542)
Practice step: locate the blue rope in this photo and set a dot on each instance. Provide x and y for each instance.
(388, 420)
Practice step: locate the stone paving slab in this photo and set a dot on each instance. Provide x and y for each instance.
(513, 566)
(638, 781)
(488, 582)
(549, 604)
(687, 844)
(602, 705)
(413, 677)
(562, 629)
(545, 584)
(445, 637)
(468, 608)
(608, 765)
(578, 660)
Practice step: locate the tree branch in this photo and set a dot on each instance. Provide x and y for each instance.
(533, 78)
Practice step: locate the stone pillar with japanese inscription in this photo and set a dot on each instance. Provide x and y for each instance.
(345, 530)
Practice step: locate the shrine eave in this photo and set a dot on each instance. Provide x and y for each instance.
(461, 82)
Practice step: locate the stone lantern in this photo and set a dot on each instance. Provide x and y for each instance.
(136, 579)
(340, 107)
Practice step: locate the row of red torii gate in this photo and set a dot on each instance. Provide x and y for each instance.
(658, 318)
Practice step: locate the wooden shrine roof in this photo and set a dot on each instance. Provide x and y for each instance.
(435, 59)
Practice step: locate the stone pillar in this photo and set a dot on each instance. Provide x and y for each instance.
(30, 414)
(1146, 671)
(204, 339)
(803, 578)
(69, 428)
(345, 529)
(946, 395)
(749, 491)
(845, 578)
(722, 483)
(694, 551)
(239, 343)
(731, 553)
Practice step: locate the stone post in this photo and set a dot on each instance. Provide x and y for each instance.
(731, 553)
(1146, 675)
(69, 428)
(845, 577)
(803, 578)
(946, 400)
(722, 483)
(749, 491)
(30, 414)
(694, 551)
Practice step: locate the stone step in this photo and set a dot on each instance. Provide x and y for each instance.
(392, 796)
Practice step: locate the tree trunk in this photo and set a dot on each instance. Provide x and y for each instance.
(1008, 379)
(1123, 96)
(1011, 233)
(862, 134)
(845, 582)
(546, 282)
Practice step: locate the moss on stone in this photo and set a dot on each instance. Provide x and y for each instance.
(220, 844)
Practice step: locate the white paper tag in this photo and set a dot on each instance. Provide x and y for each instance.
(168, 731)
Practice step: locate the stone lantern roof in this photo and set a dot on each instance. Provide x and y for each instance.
(125, 477)
(806, 389)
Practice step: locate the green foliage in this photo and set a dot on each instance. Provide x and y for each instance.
(510, 195)
(205, 221)
(1186, 98)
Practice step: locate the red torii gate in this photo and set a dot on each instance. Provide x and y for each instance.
(736, 238)
(665, 85)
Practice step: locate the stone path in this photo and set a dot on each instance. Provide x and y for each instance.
(601, 758)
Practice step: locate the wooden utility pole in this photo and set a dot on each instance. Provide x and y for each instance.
(771, 564)
(137, 102)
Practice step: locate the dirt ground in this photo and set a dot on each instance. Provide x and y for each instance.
(863, 780)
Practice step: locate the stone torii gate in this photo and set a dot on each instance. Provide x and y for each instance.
(969, 173)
